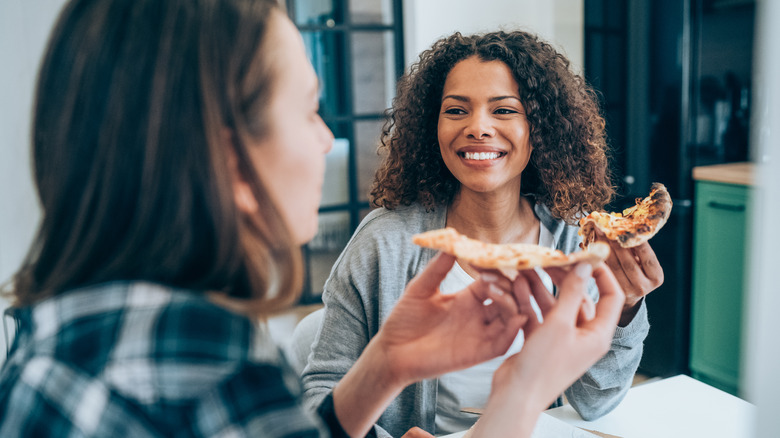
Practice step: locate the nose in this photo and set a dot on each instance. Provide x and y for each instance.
(479, 126)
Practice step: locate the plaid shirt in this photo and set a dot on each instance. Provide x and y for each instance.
(136, 359)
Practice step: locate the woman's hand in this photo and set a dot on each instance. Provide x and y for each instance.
(429, 333)
(416, 432)
(637, 271)
(556, 352)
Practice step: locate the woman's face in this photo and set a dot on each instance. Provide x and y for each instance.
(483, 132)
(290, 159)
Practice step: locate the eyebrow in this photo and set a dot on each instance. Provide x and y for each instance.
(466, 99)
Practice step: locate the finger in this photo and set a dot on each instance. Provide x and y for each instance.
(614, 264)
(503, 304)
(427, 282)
(500, 335)
(649, 264)
(521, 292)
(489, 312)
(611, 299)
(479, 288)
(612, 259)
(557, 273)
(500, 317)
(541, 294)
(573, 291)
(629, 265)
(587, 310)
(416, 432)
(505, 323)
(487, 292)
(504, 281)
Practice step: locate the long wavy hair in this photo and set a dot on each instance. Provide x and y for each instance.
(568, 170)
(133, 101)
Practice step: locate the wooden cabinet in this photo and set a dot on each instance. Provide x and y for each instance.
(720, 241)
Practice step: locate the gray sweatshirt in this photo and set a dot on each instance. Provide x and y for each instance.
(366, 282)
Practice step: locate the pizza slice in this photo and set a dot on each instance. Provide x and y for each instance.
(634, 225)
(506, 257)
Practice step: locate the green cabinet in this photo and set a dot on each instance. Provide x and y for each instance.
(719, 249)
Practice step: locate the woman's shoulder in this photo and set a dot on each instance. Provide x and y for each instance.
(412, 218)
(383, 242)
(389, 227)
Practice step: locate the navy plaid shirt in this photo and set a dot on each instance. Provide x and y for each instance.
(137, 359)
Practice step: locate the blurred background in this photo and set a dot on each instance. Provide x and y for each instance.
(687, 88)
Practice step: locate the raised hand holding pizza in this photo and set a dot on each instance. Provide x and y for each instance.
(428, 334)
(631, 258)
(556, 352)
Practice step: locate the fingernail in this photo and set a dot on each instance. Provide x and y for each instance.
(588, 308)
(487, 302)
(583, 270)
(488, 277)
(495, 290)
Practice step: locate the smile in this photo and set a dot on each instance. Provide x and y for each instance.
(481, 156)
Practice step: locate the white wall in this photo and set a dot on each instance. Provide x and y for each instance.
(762, 359)
(24, 29)
(560, 22)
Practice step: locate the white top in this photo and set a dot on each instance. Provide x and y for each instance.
(470, 388)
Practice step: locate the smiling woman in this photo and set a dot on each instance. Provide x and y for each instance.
(564, 125)
(483, 125)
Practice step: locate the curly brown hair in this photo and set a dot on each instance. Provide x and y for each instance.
(569, 169)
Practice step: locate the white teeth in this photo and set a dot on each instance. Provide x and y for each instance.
(481, 155)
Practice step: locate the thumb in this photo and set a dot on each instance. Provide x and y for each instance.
(416, 432)
(427, 282)
(574, 289)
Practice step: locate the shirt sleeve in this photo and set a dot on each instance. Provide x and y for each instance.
(328, 414)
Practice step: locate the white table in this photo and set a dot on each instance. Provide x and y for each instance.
(670, 408)
(546, 427)
(675, 407)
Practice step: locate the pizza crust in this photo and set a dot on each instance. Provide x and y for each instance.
(635, 225)
(506, 257)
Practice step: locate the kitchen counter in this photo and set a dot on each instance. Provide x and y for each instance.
(728, 173)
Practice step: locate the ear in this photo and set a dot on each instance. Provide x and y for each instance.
(242, 192)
